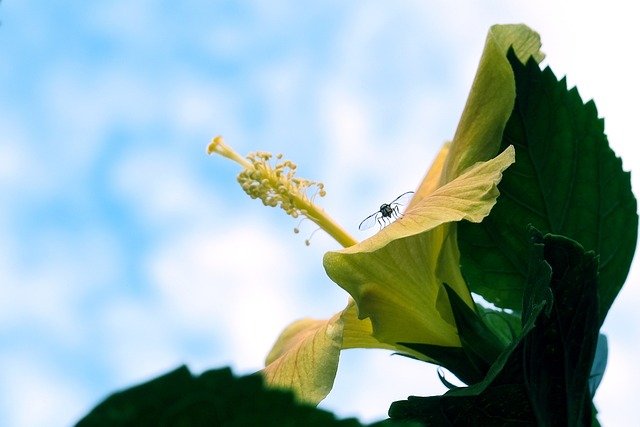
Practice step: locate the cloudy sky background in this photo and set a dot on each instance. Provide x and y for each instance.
(125, 251)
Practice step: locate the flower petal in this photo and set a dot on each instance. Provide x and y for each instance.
(487, 109)
(394, 276)
(305, 358)
(491, 99)
(358, 333)
(432, 180)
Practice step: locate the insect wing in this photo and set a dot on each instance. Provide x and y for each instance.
(369, 221)
(402, 199)
(373, 218)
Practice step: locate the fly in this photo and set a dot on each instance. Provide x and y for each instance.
(387, 212)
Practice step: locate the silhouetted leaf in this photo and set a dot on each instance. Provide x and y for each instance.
(215, 398)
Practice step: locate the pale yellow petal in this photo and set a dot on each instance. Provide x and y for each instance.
(305, 358)
(358, 332)
(395, 275)
(491, 99)
(432, 180)
(471, 197)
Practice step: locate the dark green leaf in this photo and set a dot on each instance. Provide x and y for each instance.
(566, 181)
(477, 340)
(541, 378)
(453, 358)
(215, 398)
(537, 289)
(443, 379)
(504, 324)
(594, 418)
(480, 346)
(559, 352)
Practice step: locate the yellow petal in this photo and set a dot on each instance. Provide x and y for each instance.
(394, 275)
(487, 109)
(305, 358)
(358, 332)
(432, 180)
(491, 99)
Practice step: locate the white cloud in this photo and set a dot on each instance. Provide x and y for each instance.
(14, 156)
(41, 394)
(164, 191)
(616, 393)
(48, 288)
(139, 339)
(240, 282)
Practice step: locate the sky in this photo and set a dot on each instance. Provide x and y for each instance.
(125, 251)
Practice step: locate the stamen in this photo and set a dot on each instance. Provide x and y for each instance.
(296, 230)
(278, 186)
(308, 241)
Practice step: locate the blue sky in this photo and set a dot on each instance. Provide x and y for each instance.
(127, 251)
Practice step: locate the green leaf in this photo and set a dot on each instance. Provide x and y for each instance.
(566, 181)
(537, 291)
(480, 344)
(541, 378)
(504, 324)
(453, 358)
(559, 352)
(214, 398)
(480, 347)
